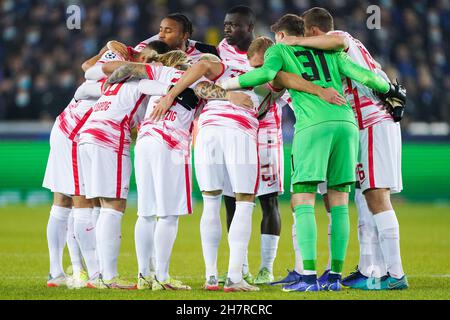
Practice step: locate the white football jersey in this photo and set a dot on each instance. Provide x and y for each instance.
(367, 106)
(119, 109)
(230, 55)
(175, 129)
(223, 113)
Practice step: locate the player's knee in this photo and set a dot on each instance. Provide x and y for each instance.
(245, 197)
(378, 200)
(269, 204)
(82, 202)
(115, 204)
(213, 193)
(62, 200)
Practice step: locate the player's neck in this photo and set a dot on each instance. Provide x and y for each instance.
(243, 45)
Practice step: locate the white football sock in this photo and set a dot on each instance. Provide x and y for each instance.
(238, 238)
(108, 240)
(389, 236)
(144, 235)
(165, 235)
(56, 238)
(72, 244)
(379, 266)
(298, 256)
(85, 234)
(368, 265)
(211, 233)
(95, 216)
(329, 241)
(269, 246)
(245, 266)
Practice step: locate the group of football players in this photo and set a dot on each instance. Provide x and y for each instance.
(231, 96)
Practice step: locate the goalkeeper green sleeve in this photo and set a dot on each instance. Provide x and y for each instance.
(355, 72)
(273, 63)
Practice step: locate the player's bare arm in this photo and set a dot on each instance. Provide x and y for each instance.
(323, 42)
(120, 70)
(210, 91)
(293, 81)
(208, 69)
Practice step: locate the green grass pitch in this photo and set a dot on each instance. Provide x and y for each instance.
(425, 244)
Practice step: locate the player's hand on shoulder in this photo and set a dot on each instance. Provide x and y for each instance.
(118, 47)
(240, 99)
(330, 95)
(290, 41)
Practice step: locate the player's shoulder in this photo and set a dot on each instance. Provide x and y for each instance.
(203, 47)
(339, 33)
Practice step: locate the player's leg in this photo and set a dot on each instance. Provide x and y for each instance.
(322, 189)
(210, 172)
(144, 231)
(270, 234)
(98, 165)
(388, 229)
(173, 199)
(242, 165)
(369, 247)
(230, 207)
(310, 150)
(382, 169)
(303, 201)
(57, 236)
(84, 230)
(60, 180)
(341, 175)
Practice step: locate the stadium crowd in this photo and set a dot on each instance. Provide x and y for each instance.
(41, 57)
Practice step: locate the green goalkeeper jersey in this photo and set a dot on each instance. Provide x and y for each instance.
(323, 68)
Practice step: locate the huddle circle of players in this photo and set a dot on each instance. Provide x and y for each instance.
(234, 93)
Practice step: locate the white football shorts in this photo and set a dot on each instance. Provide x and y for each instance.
(163, 179)
(62, 172)
(380, 157)
(223, 153)
(104, 173)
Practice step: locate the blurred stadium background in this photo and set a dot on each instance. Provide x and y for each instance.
(41, 58)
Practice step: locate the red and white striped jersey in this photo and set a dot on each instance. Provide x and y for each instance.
(119, 109)
(73, 117)
(367, 106)
(272, 121)
(192, 52)
(232, 56)
(225, 114)
(175, 129)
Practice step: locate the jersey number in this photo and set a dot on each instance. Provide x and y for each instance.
(311, 64)
(113, 89)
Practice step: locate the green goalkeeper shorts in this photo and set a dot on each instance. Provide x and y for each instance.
(325, 152)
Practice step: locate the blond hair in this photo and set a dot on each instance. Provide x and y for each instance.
(259, 45)
(174, 59)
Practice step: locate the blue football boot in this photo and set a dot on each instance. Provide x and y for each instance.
(354, 279)
(308, 283)
(292, 277)
(324, 277)
(333, 283)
